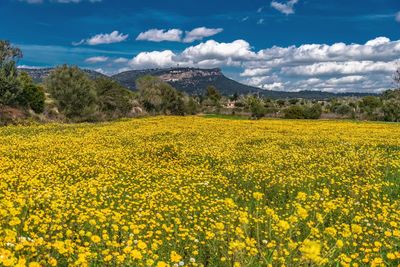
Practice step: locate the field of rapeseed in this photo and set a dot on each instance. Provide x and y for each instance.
(193, 191)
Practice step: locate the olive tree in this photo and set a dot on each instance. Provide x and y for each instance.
(74, 92)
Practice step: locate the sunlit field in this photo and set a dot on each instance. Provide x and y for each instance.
(194, 191)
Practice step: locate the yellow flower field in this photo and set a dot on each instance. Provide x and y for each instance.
(192, 191)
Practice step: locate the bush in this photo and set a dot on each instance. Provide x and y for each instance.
(314, 112)
(299, 112)
(213, 94)
(74, 93)
(294, 112)
(191, 106)
(113, 99)
(343, 109)
(391, 110)
(157, 96)
(32, 95)
(256, 107)
(10, 88)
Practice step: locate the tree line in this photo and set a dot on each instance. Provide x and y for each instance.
(68, 94)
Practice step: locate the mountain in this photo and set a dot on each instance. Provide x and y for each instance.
(39, 75)
(190, 80)
(194, 81)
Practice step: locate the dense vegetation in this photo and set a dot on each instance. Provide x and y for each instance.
(70, 94)
(173, 191)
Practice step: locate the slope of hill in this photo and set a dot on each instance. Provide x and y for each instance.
(38, 75)
(190, 80)
(194, 82)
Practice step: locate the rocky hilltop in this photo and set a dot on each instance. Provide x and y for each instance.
(190, 80)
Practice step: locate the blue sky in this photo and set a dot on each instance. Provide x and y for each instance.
(330, 45)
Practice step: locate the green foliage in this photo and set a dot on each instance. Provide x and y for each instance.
(391, 94)
(303, 112)
(10, 88)
(8, 53)
(191, 106)
(391, 110)
(74, 93)
(313, 112)
(32, 95)
(17, 90)
(158, 97)
(293, 101)
(256, 107)
(343, 109)
(113, 99)
(213, 94)
(281, 102)
(370, 103)
(294, 112)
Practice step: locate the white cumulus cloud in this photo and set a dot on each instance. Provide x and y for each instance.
(104, 38)
(177, 35)
(156, 35)
(287, 8)
(200, 33)
(94, 60)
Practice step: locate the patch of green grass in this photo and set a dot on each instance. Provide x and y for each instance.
(393, 190)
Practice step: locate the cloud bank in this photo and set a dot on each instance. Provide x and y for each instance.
(337, 67)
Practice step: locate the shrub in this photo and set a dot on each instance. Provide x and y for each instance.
(10, 88)
(32, 95)
(306, 112)
(157, 96)
(113, 99)
(314, 112)
(391, 110)
(191, 106)
(343, 109)
(294, 112)
(73, 92)
(256, 107)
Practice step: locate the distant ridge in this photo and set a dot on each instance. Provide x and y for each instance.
(194, 81)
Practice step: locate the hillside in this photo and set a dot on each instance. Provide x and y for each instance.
(194, 81)
(190, 80)
(38, 75)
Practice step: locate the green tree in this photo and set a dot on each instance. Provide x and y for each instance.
(32, 95)
(370, 104)
(294, 112)
(10, 88)
(391, 110)
(74, 92)
(213, 94)
(113, 99)
(313, 112)
(9, 53)
(157, 96)
(191, 106)
(256, 107)
(343, 109)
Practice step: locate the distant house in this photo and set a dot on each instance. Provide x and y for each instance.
(230, 104)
